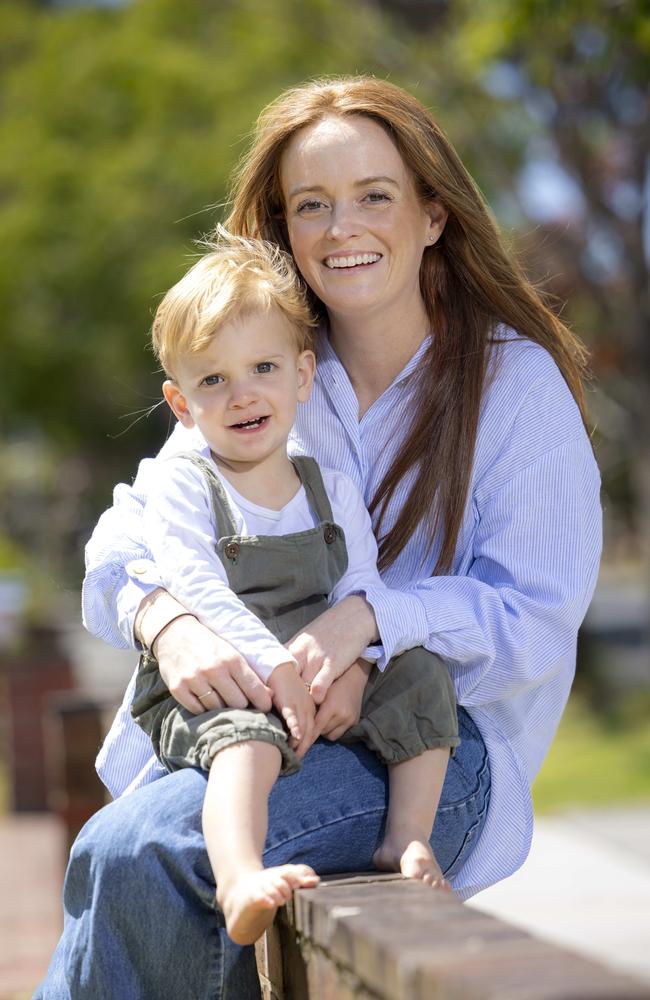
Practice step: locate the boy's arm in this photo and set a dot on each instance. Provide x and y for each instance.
(363, 609)
(179, 533)
(112, 592)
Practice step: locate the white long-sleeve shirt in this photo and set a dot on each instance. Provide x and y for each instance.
(180, 533)
(506, 618)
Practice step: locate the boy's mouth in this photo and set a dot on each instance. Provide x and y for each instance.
(250, 425)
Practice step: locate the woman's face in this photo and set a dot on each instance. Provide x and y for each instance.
(356, 225)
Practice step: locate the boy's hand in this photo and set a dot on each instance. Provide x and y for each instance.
(341, 707)
(329, 645)
(294, 703)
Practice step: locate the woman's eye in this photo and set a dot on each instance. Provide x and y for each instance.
(311, 205)
(376, 197)
(212, 380)
(264, 367)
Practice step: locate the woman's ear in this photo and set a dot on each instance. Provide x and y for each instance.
(305, 371)
(438, 215)
(177, 403)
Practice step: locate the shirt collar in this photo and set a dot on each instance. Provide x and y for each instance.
(330, 365)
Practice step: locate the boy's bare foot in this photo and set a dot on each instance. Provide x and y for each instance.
(249, 902)
(408, 852)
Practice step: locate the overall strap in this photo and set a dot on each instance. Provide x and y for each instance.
(312, 479)
(223, 516)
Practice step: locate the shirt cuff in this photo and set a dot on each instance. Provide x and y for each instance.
(142, 579)
(265, 664)
(401, 621)
(373, 653)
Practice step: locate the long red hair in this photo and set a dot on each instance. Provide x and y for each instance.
(469, 282)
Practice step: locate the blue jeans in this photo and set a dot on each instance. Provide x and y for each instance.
(139, 897)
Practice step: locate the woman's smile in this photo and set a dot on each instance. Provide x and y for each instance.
(351, 260)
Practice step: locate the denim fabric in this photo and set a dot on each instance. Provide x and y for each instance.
(140, 915)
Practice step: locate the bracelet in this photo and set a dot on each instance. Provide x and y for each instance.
(151, 599)
(183, 614)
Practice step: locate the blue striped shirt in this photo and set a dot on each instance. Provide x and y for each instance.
(507, 616)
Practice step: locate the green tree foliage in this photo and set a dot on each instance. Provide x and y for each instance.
(533, 88)
(573, 88)
(120, 129)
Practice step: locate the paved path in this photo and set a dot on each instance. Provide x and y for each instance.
(586, 885)
(32, 861)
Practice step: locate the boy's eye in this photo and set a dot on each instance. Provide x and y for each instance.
(264, 367)
(212, 380)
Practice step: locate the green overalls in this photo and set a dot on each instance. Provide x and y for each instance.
(285, 580)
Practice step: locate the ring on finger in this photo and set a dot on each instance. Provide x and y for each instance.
(205, 694)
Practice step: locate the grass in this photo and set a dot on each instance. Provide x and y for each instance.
(597, 760)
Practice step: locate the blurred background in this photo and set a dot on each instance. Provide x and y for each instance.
(120, 124)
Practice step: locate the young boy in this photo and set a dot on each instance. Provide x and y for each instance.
(257, 546)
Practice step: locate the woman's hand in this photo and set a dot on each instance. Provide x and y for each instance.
(194, 661)
(341, 707)
(330, 644)
(292, 700)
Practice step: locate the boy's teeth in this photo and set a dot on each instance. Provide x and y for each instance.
(250, 423)
(360, 258)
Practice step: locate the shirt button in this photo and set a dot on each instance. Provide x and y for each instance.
(232, 550)
(329, 534)
(139, 569)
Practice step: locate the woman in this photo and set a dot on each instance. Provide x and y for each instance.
(453, 397)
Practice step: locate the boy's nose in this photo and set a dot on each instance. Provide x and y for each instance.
(242, 393)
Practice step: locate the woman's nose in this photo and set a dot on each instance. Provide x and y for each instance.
(343, 222)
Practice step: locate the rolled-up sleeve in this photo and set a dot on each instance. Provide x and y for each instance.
(513, 619)
(110, 595)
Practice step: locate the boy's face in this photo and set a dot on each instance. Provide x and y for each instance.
(242, 391)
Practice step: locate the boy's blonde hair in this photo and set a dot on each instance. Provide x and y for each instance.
(237, 276)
